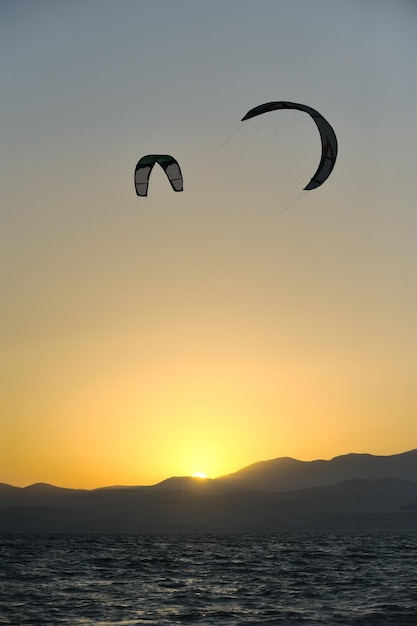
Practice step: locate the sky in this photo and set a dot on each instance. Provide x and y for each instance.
(243, 319)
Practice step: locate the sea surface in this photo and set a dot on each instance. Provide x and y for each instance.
(266, 579)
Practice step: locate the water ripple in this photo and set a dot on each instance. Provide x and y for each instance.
(294, 579)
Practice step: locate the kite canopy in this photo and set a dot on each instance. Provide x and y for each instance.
(327, 134)
(144, 168)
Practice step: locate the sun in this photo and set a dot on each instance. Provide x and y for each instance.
(199, 475)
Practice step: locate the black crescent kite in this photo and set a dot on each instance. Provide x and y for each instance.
(144, 168)
(327, 134)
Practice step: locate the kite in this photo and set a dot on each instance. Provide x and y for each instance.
(327, 134)
(144, 168)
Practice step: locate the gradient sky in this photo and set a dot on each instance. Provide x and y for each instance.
(237, 321)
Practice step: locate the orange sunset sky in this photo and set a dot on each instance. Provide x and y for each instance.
(242, 319)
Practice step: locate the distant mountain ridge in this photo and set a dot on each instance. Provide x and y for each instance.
(287, 474)
(350, 492)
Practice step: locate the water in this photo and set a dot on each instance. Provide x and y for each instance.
(292, 579)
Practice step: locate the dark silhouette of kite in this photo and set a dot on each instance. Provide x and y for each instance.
(144, 168)
(327, 134)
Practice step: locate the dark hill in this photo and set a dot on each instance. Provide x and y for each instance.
(286, 474)
(351, 492)
(357, 504)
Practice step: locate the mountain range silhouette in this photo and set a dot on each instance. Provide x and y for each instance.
(349, 492)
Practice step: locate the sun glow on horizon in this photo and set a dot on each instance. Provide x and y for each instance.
(199, 475)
